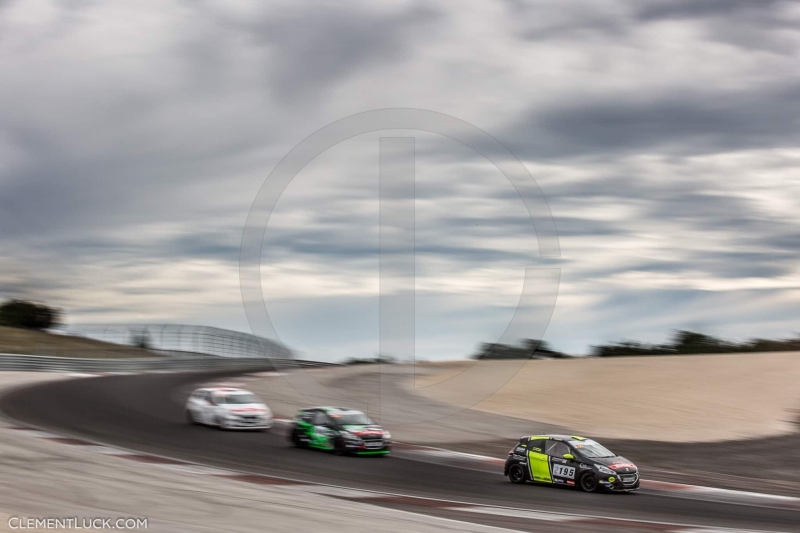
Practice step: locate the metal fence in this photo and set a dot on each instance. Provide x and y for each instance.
(137, 348)
(42, 363)
(173, 340)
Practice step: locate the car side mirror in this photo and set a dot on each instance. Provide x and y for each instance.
(568, 456)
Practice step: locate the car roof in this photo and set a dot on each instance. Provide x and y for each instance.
(333, 410)
(555, 437)
(226, 390)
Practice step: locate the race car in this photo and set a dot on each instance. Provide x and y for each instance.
(228, 408)
(572, 461)
(340, 430)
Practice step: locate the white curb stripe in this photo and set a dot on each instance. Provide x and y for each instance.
(518, 513)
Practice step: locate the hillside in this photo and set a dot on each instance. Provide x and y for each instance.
(31, 342)
(670, 398)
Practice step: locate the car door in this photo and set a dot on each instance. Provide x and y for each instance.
(562, 469)
(217, 409)
(304, 426)
(322, 436)
(538, 462)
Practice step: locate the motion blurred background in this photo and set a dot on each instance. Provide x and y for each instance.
(136, 136)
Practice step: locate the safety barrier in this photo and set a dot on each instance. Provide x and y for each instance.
(43, 363)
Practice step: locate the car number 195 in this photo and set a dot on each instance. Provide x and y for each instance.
(563, 471)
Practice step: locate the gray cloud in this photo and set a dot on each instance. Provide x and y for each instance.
(680, 124)
(312, 46)
(687, 9)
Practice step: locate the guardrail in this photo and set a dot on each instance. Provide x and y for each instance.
(169, 339)
(44, 363)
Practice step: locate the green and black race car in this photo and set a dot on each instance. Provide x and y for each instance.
(575, 461)
(341, 430)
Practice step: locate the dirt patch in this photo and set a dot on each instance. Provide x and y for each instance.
(669, 398)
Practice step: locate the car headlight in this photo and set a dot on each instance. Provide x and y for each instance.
(605, 470)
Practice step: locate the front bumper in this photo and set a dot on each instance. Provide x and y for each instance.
(621, 482)
(248, 422)
(369, 448)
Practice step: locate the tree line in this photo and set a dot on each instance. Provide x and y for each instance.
(682, 342)
(38, 316)
(29, 315)
(691, 342)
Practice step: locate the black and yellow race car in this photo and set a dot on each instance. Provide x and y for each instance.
(340, 430)
(572, 461)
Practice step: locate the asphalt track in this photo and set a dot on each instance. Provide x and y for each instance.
(145, 413)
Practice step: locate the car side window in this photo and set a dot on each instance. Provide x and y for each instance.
(207, 396)
(320, 418)
(555, 448)
(536, 446)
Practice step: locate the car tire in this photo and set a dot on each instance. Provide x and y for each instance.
(516, 474)
(296, 440)
(589, 483)
(339, 447)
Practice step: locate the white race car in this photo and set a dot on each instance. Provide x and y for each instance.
(228, 408)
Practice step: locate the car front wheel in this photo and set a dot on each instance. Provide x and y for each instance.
(339, 448)
(589, 482)
(516, 474)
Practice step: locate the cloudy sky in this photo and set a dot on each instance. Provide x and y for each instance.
(135, 136)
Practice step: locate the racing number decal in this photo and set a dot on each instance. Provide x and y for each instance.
(563, 471)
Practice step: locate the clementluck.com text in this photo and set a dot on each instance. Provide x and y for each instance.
(30, 523)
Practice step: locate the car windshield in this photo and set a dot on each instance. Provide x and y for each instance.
(589, 448)
(352, 419)
(237, 399)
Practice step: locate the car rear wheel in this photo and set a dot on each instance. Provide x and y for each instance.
(296, 440)
(516, 474)
(589, 482)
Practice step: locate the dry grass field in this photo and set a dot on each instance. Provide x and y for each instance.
(23, 341)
